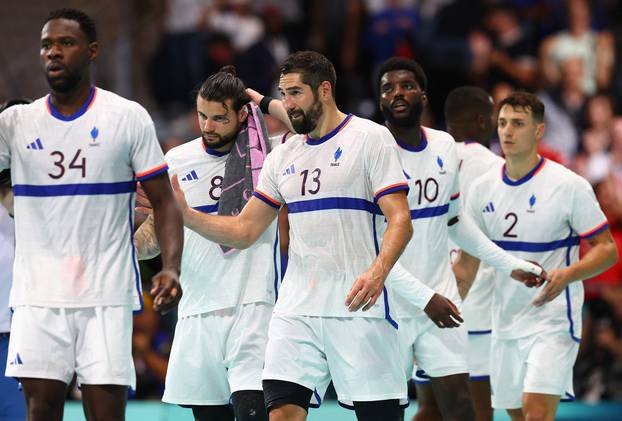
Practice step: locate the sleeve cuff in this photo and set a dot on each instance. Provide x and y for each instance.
(146, 175)
(595, 231)
(267, 199)
(391, 189)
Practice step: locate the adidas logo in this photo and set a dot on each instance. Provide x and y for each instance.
(191, 176)
(17, 360)
(35, 145)
(489, 208)
(290, 170)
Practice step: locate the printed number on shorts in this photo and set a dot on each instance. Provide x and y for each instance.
(76, 163)
(314, 183)
(216, 185)
(514, 218)
(427, 189)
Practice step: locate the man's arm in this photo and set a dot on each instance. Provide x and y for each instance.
(275, 108)
(145, 240)
(169, 232)
(369, 285)
(465, 269)
(601, 257)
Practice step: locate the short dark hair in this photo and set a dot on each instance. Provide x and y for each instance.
(87, 25)
(5, 175)
(313, 67)
(402, 63)
(464, 101)
(225, 85)
(527, 101)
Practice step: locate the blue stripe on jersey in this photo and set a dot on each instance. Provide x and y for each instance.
(537, 247)
(429, 212)
(568, 304)
(134, 261)
(84, 189)
(207, 208)
(266, 200)
(331, 203)
(387, 311)
(75, 115)
(480, 332)
(276, 267)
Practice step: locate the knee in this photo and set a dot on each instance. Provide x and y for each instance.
(426, 412)
(537, 413)
(39, 409)
(248, 405)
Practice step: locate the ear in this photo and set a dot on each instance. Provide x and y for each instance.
(93, 50)
(481, 121)
(242, 115)
(539, 131)
(424, 99)
(325, 90)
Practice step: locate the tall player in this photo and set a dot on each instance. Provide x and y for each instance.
(75, 156)
(536, 209)
(222, 330)
(330, 175)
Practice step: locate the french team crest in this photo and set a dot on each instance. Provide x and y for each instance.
(441, 164)
(94, 135)
(336, 157)
(532, 203)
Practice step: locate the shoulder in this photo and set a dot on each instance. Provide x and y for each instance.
(370, 133)
(565, 176)
(124, 106)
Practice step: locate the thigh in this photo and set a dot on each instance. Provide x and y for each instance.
(45, 399)
(295, 351)
(41, 328)
(104, 402)
(197, 354)
(507, 373)
(442, 352)
(104, 346)
(246, 346)
(364, 359)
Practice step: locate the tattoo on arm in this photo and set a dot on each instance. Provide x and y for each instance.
(145, 240)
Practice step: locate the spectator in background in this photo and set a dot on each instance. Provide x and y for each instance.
(236, 19)
(595, 49)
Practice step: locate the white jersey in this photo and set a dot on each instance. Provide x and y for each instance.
(74, 180)
(540, 217)
(7, 254)
(211, 280)
(330, 186)
(432, 173)
(475, 160)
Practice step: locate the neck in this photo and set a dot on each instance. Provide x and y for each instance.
(68, 103)
(409, 135)
(518, 166)
(331, 117)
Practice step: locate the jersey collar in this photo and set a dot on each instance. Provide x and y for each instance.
(89, 102)
(418, 148)
(507, 180)
(312, 141)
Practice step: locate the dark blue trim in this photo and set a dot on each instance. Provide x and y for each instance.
(312, 141)
(421, 146)
(266, 200)
(327, 203)
(85, 189)
(480, 332)
(470, 142)
(81, 111)
(153, 174)
(387, 311)
(276, 267)
(319, 399)
(214, 152)
(537, 247)
(604, 227)
(569, 314)
(429, 212)
(345, 405)
(567, 397)
(392, 190)
(525, 178)
(422, 374)
(421, 381)
(134, 262)
(478, 378)
(207, 208)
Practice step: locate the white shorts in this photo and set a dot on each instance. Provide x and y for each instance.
(478, 355)
(217, 353)
(540, 363)
(54, 343)
(360, 354)
(436, 352)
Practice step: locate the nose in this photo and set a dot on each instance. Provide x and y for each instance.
(54, 51)
(208, 125)
(288, 103)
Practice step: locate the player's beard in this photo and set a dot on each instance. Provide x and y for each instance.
(412, 119)
(64, 84)
(309, 119)
(223, 140)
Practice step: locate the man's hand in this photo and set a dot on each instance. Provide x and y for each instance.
(443, 312)
(558, 280)
(366, 290)
(530, 279)
(165, 290)
(180, 196)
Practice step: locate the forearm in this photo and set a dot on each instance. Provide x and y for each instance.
(407, 286)
(465, 270)
(170, 235)
(226, 230)
(600, 258)
(145, 240)
(398, 233)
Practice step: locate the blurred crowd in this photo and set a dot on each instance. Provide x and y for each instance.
(567, 51)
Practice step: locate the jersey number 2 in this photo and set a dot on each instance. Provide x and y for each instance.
(508, 233)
